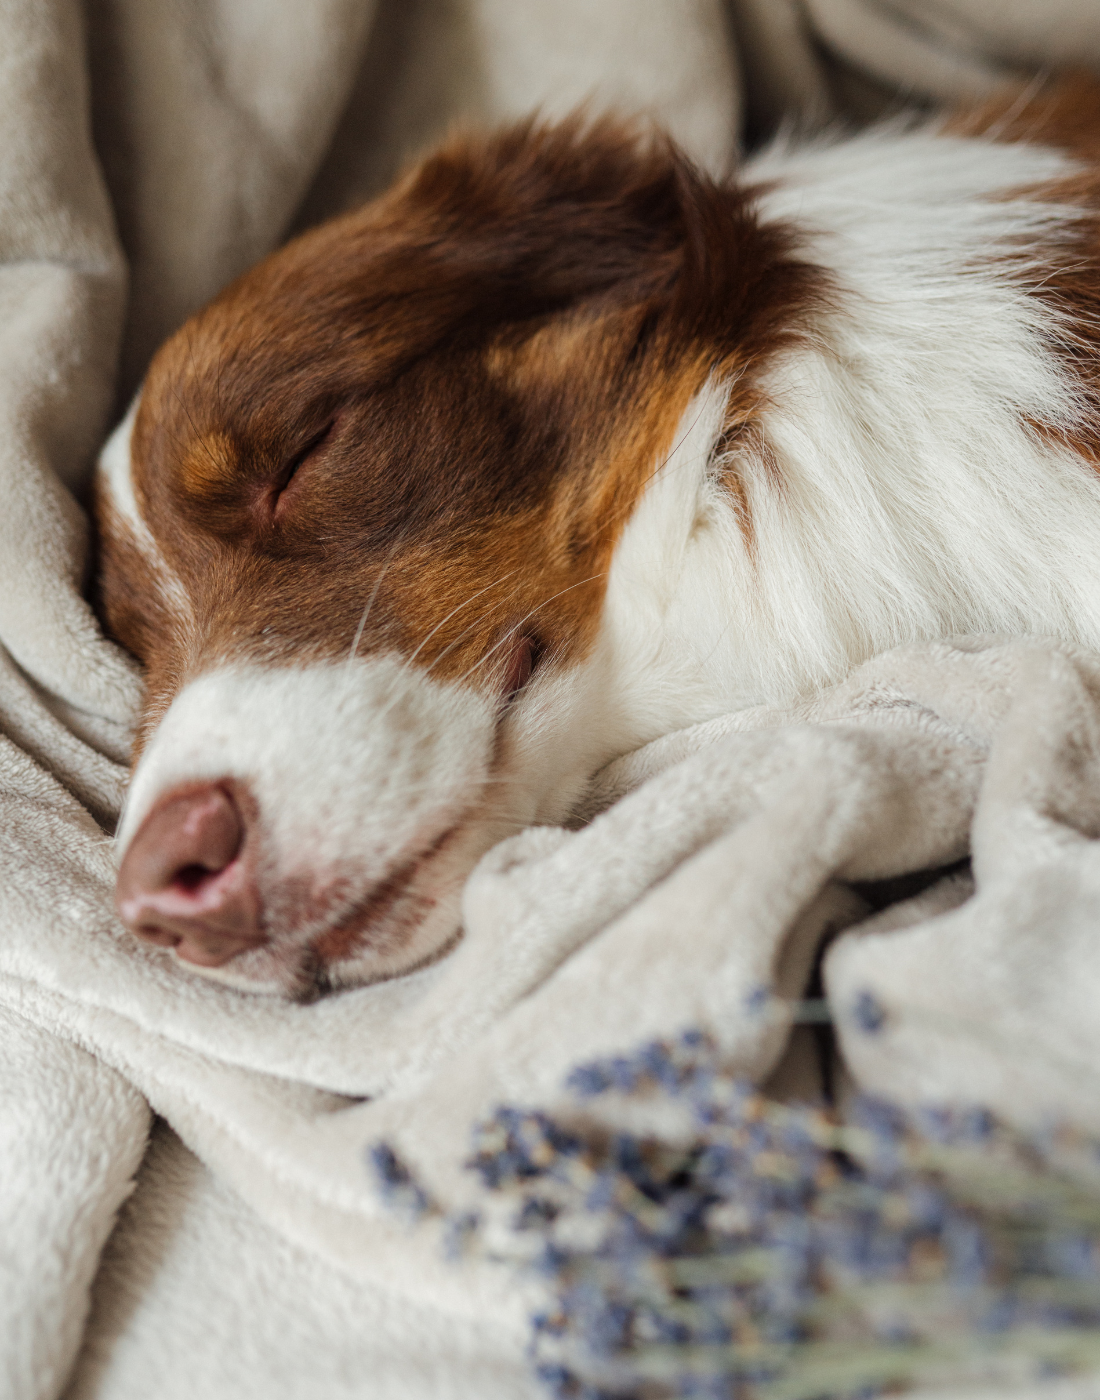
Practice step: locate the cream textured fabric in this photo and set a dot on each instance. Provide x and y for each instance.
(811, 61)
(149, 151)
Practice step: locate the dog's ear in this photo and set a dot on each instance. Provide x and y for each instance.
(544, 216)
(594, 214)
(494, 234)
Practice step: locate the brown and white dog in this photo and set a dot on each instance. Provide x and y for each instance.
(560, 446)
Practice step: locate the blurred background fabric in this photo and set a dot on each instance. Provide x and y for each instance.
(223, 123)
(150, 151)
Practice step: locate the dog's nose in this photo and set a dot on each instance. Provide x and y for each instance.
(182, 884)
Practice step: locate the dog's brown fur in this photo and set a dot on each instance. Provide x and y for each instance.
(456, 393)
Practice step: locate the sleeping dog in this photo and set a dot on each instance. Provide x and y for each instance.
(560, 446)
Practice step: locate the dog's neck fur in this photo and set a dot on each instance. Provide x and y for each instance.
(895, 489)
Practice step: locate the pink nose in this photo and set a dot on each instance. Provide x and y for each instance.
(182, 884)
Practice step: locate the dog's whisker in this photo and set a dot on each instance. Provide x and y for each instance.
(408, 662)
(451, 646)
(525, 618)
(373, 595)
(454, 611)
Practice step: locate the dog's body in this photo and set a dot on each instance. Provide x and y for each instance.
(560, 447)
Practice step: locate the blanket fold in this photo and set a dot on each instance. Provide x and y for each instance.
(72, 1134)
(999, 994)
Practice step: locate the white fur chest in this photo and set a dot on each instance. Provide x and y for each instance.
(901, 491)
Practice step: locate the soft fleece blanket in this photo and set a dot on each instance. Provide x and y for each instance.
(150, 150)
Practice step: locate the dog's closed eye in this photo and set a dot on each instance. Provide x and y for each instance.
(282, 493)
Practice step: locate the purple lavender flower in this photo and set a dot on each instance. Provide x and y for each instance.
(780, 1254)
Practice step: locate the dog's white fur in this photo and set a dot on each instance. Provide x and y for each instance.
(907, 499)
(117, 479)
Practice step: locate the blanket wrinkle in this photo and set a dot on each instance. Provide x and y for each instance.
(928, 50)
(151, 150)
(1022, 951)
(210, 119)
(186, 1249)
(38, 725)
(62, 285)
(432, 64)
(72, 1132)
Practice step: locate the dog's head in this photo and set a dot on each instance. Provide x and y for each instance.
(359, 529)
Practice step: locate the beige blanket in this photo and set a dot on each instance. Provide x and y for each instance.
(151, 149)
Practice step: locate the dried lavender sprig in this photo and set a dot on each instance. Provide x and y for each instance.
(818, 1369)
(812, 1370)
(781, 1254)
